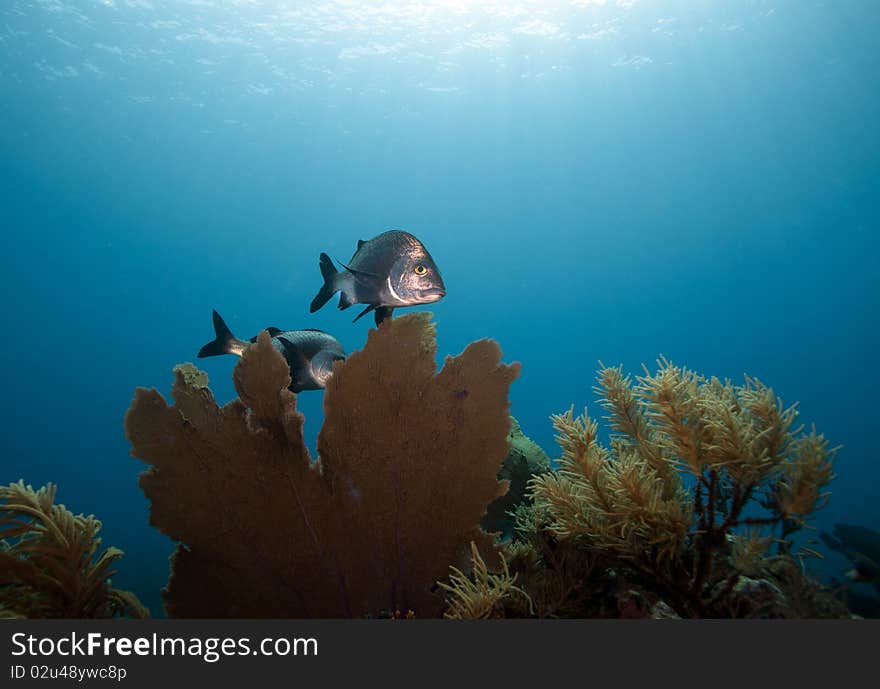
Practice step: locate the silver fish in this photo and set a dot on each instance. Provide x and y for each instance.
(391, 270)
(310, 353)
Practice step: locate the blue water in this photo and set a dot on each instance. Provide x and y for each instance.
(596, 180)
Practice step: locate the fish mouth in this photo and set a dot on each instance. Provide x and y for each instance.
(432, 294)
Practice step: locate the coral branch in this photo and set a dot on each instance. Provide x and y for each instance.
(482, 596)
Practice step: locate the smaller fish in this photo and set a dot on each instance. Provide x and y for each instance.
(388, 271)
(310, 353)
(864, 570)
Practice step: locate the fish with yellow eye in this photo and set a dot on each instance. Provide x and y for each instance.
(386, 272)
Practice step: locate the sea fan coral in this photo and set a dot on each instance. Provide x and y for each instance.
(50, 564)
(408, 462)
(666, 503)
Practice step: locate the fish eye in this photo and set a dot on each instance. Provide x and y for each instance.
(420, 269)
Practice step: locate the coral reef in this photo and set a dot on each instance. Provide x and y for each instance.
(525, 459)
(50, 564)
(664, 519)
(408, 461)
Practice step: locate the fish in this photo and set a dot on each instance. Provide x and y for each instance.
(864, 570)
(310, 353)
(390, 270)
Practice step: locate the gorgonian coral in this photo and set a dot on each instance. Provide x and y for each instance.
(480, 595)
(51, 562)
(671, 501)
(408, 462)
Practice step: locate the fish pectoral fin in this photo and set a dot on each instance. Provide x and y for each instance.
(344, 300)
(364, 312)
(382, 313)
(292, 352)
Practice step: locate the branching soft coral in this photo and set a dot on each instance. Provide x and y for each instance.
(481, 596)
(611, 498)
(689, 460)
(50, 564)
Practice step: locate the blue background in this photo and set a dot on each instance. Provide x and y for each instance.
(596, 180)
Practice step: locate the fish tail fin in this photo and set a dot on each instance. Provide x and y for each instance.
(224, 342)
(329, 288)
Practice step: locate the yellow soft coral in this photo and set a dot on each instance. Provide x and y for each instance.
(50, 560)
(481, 596)
(804, 477)
(687, 456)
(615, 499)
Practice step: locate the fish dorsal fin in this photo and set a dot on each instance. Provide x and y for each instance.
(273, 332)
(361, 242)
(314, 330)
